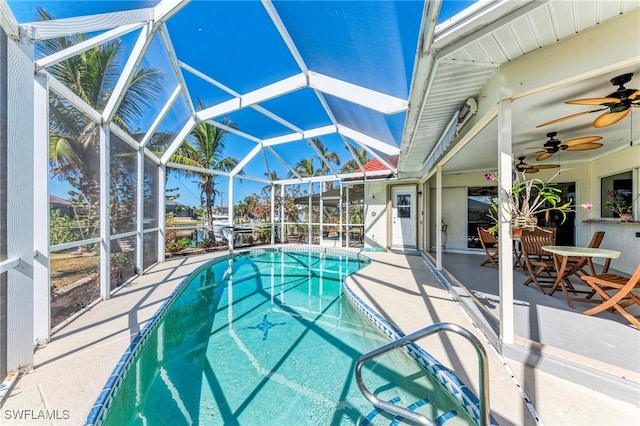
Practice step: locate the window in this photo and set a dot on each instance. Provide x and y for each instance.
(478, 206)
(403, 203)
(622, 184)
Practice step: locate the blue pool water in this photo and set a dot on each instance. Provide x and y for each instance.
(267, 338)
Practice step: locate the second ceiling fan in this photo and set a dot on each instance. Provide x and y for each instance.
(554, 145)
(532, 168)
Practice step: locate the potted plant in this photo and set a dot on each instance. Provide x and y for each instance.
(527, 199)
(618, 204)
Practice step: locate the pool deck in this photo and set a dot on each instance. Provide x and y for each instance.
(72, 369)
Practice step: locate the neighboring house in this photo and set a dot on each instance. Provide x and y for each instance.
(65, 206)
(178, 209)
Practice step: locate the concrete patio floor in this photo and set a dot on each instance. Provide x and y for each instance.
(71, 370)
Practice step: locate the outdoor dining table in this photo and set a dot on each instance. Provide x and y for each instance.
(561, 255)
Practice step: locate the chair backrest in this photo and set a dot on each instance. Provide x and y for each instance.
(545, 231)
(532, 242)
(487, 239)
(582, 261)
(596, 240)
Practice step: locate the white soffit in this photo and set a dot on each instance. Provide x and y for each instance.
(469, 51)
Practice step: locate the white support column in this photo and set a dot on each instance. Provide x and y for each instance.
(17, 76)
(347, 217)
(230, 215)
(321, 203)
(273, 214)
(282, 215)
(140, 213)
(105, 219)
(230, 201)
(438, 218)
(310, 217)
(41, 264)
(505, 270)
(162, 171)
(428, 201)
(17, 120)
(340, 221)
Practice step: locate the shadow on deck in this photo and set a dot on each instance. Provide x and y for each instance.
(601, 352)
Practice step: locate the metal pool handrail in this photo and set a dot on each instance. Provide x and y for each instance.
(410, 338)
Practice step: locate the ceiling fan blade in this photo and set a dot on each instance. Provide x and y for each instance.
(544, 156)
(584, 146)
(531, 170)
(609, 118)
(594, 101)
(635, 95)
(578, 141)
(546, 166)
(569, 117)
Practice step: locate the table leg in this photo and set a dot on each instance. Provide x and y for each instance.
(560, 269)
(518, 256)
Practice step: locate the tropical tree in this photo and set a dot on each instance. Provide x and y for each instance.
(73, 138)
(304, 168)
(204, 148)
(241, 210)
(325, 158)
(273, 177)
(330, 157)
(352, 165)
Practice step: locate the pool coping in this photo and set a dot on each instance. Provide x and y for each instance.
(445, 378)
(447, 381)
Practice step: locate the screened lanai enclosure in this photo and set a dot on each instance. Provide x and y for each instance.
(138, 130)
(133, 131)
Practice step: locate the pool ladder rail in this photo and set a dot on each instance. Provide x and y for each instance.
(485, 416)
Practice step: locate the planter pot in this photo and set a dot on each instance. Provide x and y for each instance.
(523, 223)
(626, 217)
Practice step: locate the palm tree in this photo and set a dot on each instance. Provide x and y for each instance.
(273, 177)
(73, 138)
(206, 151)
(330, 157)
(352, 165)
(304, 168)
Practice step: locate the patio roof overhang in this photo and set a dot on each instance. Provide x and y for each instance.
(536, 54)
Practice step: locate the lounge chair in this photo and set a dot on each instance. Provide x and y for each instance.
(489, 245)
(625, 292)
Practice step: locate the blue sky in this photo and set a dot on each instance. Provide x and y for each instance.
(346, 40)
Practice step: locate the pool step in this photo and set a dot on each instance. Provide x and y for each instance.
(444, 417)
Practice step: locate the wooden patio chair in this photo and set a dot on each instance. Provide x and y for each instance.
(541, 268)
(627, 293)
(578, 263)
(517, 248)
(489, 245)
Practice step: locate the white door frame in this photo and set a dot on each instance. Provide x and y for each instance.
(404, 218)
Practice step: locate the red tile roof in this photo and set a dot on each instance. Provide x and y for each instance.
(375, 165)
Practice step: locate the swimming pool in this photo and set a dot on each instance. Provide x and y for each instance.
(264, 337)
